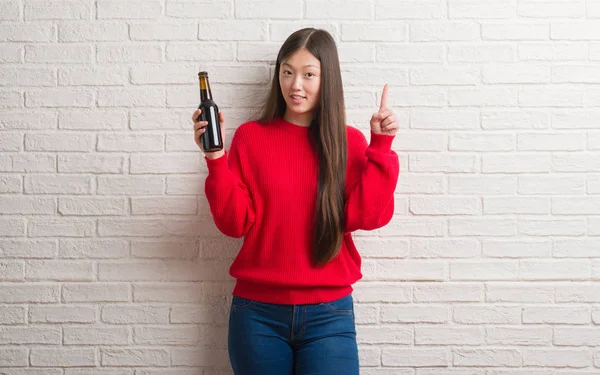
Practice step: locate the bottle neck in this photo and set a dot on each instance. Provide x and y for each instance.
(205, 93)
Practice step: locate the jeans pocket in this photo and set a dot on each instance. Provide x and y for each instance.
(344, 305)
(240, 303)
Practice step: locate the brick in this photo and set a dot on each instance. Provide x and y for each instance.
(473, 314)
(199, 10)
(131, 227)
(485, 271)
(211, 51)
(552, 227)
(14, 357)
(62, 314)
(58, 10)
(57, 184)
(59, 270)
(412, 227)
(60, 228)
(550, 9)
(234, 30)
(96, 120)
(131, 314)
(131, 97)
(493, 357)
(12, 270)
(130, 185)
(30, 335)
(64, 97)
(12, 227)
(517, 336)
(555, 185)
(443, 31)
(515, 31)
(81, 249)
(29, 293)
(59, 142)
(482, 227)
(577, 292)
(519, 293)
(440, 335)
(20, 248)
(392, 9)
(385, 334)
(10, 52)
(26, 205)
(481, 53)
(109, 9)
(434, 248)
(554, 269)
(575, 206)
(572, 358)
(455, 292)
(62, 357)
(129, 53)
(484, 184)
(165, 31)
(481, 143)
(410, 270)
(92, 32)
(134, 357)
(414, 357)
(510, 205)
(556, 315)
(338, 9)
(96, 292)
(374, 32)
(96, 335)
(575, 163)
(552, 51)
(90, 163)
(507, 119)
(13, 314)
(516, 248)
(421, 184)
(517, 73)
(460, 9)
(58, 53)
(418, 53)
(266, 9)
(523, 163)
(34, 32)
(482, 98)
(27, 77)
(575, 30)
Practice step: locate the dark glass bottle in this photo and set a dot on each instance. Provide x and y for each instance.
(211, 140)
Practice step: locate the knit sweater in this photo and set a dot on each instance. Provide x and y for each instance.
(265, 189)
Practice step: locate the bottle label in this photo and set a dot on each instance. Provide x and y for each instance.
(214, 123)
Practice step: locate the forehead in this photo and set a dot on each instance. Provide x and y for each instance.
(301, 58)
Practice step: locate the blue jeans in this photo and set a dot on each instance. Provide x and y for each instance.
(273, 339)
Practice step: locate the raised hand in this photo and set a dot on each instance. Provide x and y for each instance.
(384, 121)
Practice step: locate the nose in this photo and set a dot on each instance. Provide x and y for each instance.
(296, 83)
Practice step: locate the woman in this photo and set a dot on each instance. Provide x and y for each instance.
(295, 184)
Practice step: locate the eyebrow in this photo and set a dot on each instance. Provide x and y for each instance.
(305, 66)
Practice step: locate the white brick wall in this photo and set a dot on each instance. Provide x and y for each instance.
(110, 263)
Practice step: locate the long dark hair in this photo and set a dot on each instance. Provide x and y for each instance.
(328, 133)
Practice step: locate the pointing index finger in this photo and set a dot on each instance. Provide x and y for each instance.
(384, 99)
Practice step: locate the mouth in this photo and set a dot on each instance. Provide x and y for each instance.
(297, 99)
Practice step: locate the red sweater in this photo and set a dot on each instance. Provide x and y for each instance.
(265, 189)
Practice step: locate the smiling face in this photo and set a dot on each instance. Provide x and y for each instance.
(300, 82)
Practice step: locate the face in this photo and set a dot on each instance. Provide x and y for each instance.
(300, 81)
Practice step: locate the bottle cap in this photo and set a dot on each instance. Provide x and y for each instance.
(203, 73)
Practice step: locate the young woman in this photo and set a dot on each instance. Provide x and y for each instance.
(295, 184)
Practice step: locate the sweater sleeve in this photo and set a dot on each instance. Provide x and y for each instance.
(372, 179)
(228, 197)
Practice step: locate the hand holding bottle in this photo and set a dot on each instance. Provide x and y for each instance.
(200, 128)
(384, 121)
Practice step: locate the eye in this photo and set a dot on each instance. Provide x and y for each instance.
(309, 75)
(286, 72)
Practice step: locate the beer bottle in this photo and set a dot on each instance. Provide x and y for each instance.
(211, 140)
